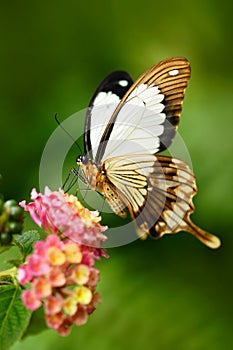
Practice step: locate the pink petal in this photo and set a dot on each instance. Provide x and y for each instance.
(57, 277)
(37, 266)
(24, 276)
(30, 301)
(80, 317)
(53, 305)
(53, 241)
(55, 321)
(41, 287)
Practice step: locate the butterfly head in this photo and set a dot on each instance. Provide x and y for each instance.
(81, 159)
(89, 170)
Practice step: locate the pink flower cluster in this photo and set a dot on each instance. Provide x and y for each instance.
(60, 273)
(63, 278)
(61, 213)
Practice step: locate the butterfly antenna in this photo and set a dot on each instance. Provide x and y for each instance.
(62, 127)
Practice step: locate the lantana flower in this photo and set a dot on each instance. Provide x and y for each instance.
(60, 274)
(60, 213)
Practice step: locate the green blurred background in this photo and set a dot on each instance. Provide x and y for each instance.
(168, 294)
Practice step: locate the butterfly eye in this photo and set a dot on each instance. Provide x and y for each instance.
(81, 159)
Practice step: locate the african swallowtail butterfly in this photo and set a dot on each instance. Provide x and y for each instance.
(126, 125)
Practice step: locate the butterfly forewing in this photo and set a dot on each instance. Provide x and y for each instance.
(147, 117)
(106, 97)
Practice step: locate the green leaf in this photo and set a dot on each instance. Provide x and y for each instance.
(37, 323)
(15, 262)
(4, 248)
(14, 317)
(26, 241)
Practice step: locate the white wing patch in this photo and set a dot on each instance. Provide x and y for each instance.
(173, 72)
(138, 124)
(103, 107)
(123, 83)
(104, 98)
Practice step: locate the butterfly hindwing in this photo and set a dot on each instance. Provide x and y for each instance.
(129, 176)
(157, 191)
(171, 187)
(113, 198)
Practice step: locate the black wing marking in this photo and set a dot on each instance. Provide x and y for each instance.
(117, 84)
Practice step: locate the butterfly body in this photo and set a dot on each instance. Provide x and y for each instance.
(126, 125)
(97, 180)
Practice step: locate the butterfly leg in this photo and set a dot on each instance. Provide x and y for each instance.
(71, 183)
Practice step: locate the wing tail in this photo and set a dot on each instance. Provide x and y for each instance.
(207, 238)
(169, 203)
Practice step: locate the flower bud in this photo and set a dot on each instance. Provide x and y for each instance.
(13, 227)
(5, 238)
(16, 213)
(10, 203)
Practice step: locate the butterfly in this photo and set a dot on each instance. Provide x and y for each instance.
(127, 124)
